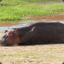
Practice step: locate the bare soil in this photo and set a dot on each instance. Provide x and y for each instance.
(37, 54)
(7, 24)
(57, 17)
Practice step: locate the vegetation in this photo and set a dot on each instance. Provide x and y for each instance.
(17, 9)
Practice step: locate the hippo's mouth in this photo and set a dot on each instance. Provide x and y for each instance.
(4, 41)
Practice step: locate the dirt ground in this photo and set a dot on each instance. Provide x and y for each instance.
(55, 17)
(36, 54)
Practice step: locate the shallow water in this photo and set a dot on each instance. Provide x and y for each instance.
(3, 28)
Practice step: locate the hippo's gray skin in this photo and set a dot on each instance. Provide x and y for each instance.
(37, 33)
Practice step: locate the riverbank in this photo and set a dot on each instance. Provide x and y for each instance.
(35, 19)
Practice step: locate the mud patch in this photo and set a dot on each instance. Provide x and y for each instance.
(57, 17)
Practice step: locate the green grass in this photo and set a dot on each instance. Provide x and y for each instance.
(27, 1)
(18, 9)
(17, 12)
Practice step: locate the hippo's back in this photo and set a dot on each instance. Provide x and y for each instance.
(45, 32)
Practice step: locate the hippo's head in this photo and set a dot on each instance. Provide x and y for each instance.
(14, 36)
(10, 38)
(1, 37)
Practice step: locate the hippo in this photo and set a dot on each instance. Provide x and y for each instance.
(37, 33)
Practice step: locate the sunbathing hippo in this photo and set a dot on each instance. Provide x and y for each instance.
(37, 33)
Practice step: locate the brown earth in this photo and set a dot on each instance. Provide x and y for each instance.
(57, 17)
(7, 24)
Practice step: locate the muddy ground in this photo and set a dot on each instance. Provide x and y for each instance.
(36, 54)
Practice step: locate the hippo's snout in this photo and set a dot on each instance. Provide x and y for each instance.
(3, 40)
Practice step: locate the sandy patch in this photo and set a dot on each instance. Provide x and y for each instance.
(38, 54)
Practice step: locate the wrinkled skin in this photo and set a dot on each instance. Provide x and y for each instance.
(38, 33)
